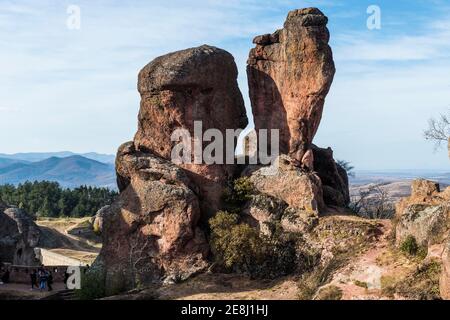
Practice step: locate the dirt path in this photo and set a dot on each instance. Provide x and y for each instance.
(362, 278)
(70, 237)
(16, 291)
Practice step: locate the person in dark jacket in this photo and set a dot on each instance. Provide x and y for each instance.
(33, 279)
(49, 280)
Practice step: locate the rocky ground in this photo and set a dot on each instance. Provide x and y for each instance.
(368, 270)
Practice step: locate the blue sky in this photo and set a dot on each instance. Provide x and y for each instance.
(75, 90)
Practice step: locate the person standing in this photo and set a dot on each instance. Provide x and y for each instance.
(42, 279)
(49, 280)
(66, 278)
(33, 279)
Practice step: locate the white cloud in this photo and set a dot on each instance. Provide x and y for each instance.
(77, 89)
(433, 44)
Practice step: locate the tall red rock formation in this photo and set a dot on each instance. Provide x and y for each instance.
(151, 232)
(177, 89)
(289, 74)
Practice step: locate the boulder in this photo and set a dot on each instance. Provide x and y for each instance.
(97, 223)
(19, 235)
(289, 75)
(177, 89)
(262, 210)
(424, 215)
(422, 192)
(445, 275)
(426, 223)
(300, 189)
(334, 178)
(150, 232)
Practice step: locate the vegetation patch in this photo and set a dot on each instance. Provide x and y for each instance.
(329, 293)
(410, 247)
(361, 284)
(311, 281)
(92, 285)
(239, 193)
(421, 284)
(240, 248)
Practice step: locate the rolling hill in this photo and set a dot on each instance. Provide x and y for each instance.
(4, 162)
(39, 156)
(69, 172)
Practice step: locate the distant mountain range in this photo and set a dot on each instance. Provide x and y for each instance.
(388, 176)
(70, 171)
(39, 156)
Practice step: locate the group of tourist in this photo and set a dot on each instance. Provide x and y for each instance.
(42, 279)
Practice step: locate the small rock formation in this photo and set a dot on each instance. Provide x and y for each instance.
(289, 75)
(263, 209)
(427, 224)
(299, 189)
(97, 223)
(424, 215)
(334, 178)
(177, 89)
(445, 276)
(286, 193)
(19, 235)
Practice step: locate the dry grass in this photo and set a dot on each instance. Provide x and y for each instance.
(329, 293)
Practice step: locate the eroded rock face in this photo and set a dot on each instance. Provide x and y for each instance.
(177, 89)
(289, 74)
(150, 233)
(19, 235)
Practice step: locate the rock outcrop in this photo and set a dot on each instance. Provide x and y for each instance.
(334, 178)
(19, 235)
(99, 218)
(284, 180)
(150, 233)
(445, 276)
(177, 89)
(427, 224)
(424, 215)
(289, 74)
(286, 193)
(154, 231)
